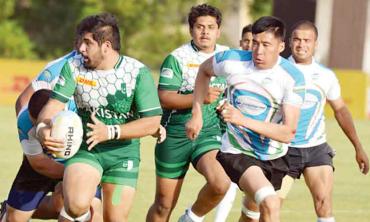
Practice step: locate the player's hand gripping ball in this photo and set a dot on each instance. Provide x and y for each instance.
(67, 126)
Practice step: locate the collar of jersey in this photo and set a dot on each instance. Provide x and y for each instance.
(195, 47)
(119, 61)
(293, 61)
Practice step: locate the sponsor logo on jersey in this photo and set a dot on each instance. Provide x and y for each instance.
(84, 81)
(250, 105)
(193, 65)
(128, 165)
(46, 75)
(61, 81)
(167, 73)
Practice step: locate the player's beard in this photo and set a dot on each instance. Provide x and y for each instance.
(93, 61)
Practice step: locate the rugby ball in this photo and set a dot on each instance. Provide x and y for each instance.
(67, 126)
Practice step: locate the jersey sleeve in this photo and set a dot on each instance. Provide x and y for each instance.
(146, 95)
(31, 146)
(334, 89)
(295, 85)
(230, 62)
(42, 81)
(26, 134)
(65, 86)
(170, 77)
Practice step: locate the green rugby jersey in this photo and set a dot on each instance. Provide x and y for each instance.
(178, 73)
(118, 96)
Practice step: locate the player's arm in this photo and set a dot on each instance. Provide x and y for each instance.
(205, 72)
(284, 132)
(46, 166)
(61, 94)
(170, 81)
(43, 131)
(344, 119)
(100, 132)
(33, 151)
(174, 100)
(148, 107)
(23, 98)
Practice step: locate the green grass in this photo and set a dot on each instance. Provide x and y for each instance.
(351, 189)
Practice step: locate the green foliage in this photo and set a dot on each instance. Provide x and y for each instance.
(6, 9)
(14, 41)
(260, 8)
(51, 24)
(150, 29)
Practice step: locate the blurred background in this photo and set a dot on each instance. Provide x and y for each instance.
(36, 31)
(33, 32)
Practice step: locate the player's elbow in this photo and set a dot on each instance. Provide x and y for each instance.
(165, 99)
(164, 103)
(153, 123)
(18, 105)
(39, 166)
(287, 135)
(290, 135)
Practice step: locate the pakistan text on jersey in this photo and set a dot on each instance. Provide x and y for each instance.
(109, 114)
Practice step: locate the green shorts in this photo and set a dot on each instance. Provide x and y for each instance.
(173, 156)
(113, 168)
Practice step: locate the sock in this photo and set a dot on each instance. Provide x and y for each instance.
(193, 216)
(325, 219)
(224, 207)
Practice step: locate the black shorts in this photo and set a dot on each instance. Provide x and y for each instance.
(28, 179)
(29, 188)
(236, 164)
(300, 158)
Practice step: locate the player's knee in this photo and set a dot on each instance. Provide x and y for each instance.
(322, 202)
(15, 215)
(267, 199)
(162, 206)
(76, 208)
(219, 186)
(270, 204)
(82, 217)
(250, 214)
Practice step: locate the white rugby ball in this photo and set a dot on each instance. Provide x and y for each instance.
(67, 126)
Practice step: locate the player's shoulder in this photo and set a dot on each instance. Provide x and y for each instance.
(292, 70)
(220, 48)
(233, 55)
(184, 51)
(75, 60)
(321, 68)
(126, 61)
(53, 68)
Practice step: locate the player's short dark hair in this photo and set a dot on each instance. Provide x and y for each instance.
(305, 24)
(204, 10)
(247, 28)
(270, 24)
(38, 101)
(104, 27)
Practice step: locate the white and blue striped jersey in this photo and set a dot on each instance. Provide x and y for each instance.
(48, 77)
(259, 95)
(322, 84)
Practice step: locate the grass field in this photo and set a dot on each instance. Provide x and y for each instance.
(351, 189)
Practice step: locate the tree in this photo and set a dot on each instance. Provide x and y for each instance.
(260, 8)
